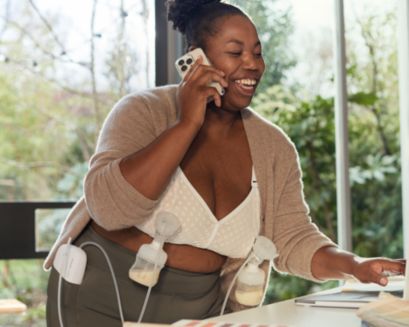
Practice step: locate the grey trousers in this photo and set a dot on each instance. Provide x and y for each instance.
(177, 295)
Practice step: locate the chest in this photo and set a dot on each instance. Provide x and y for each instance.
(220, 171)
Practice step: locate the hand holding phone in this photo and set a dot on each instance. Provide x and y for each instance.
(184, 63)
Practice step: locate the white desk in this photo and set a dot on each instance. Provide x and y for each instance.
(285, 313)
(288, 313)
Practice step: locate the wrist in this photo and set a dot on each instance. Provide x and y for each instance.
(331, 262)
(352, 266)
(189, 126)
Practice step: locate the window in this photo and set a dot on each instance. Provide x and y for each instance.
(63, 64)
(298, 38)
(374, 146)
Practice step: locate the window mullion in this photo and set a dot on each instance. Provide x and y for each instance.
(341, 132)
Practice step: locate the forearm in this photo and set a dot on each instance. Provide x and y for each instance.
(150, 169)
(332, 263)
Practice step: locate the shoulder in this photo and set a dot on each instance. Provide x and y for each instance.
(267, 132)
(137, 118)
(155, 107)
(160, 94)
(154, 99)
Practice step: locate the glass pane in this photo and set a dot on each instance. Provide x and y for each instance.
(298, 95)
(63, 66)
(371, 34)
(48, 224)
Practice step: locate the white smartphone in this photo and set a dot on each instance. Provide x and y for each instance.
(184, 63)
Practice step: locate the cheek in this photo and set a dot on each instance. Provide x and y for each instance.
(226, 65)
(262, 66)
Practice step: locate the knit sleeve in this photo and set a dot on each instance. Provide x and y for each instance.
(296, 237)
(111, 201)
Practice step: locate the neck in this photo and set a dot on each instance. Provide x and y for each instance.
(220, 122)
(221, 117)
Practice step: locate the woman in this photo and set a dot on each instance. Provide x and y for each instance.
(225, 172)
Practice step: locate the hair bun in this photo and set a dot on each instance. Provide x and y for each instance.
(180, 11)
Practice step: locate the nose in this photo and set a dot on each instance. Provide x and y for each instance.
(250, 62)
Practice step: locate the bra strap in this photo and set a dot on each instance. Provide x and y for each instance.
(253, 177)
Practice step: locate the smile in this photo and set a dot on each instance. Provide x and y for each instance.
(246, 86)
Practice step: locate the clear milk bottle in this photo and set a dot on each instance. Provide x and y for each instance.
(250, 285)
(148, 263)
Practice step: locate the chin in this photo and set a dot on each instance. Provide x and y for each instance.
(241, 105)
(237, 105)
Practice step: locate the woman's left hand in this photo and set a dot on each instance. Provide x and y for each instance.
(376, 270)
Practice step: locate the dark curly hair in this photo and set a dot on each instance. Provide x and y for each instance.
(195, 18)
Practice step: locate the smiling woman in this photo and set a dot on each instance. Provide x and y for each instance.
(236, 50)
(224, 172)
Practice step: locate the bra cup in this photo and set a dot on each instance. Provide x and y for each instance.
(232, 236)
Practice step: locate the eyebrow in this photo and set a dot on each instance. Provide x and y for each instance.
(241, 43)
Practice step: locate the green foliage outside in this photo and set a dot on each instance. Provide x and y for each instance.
(26, 281)
(373, 148)
(274, 26)
(47, 135)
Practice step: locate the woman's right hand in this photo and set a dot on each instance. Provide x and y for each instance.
(194, 90)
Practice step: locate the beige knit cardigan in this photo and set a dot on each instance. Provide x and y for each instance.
(135, 121)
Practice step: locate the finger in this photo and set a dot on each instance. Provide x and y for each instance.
(379, 279)
(380, 269)
(212, 68)
(210, 77)
(204, 72)
(375, 274)
(212, 93)
(393, 266)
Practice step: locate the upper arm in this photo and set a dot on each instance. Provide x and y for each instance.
(111, 200)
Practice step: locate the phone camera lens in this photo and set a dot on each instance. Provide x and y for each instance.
(181, 62)
(183, 68)
(189, 61)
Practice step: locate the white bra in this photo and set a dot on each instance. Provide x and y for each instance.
(232, 236)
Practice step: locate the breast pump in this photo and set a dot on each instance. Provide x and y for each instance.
(151, 257)
(250, 277)
(70, 262)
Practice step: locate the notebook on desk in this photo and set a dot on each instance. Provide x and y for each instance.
(352, 295)
(342, 299)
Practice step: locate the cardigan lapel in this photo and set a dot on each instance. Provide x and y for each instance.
(257, 136)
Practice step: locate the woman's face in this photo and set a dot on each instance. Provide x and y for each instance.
(236, 50)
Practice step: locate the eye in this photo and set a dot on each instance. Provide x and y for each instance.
(233, 53)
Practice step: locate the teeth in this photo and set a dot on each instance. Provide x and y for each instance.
(246, 81)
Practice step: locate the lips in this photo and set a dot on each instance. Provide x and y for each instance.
(245, 89)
